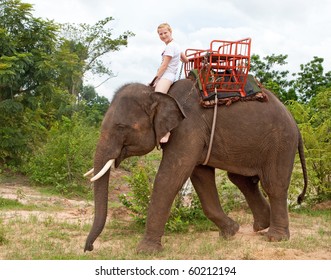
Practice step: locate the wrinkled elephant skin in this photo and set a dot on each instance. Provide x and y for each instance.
(254, 142)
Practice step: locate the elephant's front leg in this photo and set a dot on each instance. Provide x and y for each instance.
(203, 180)
(166, 187)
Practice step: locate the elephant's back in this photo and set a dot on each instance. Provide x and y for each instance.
(251, 123)
(249, 120)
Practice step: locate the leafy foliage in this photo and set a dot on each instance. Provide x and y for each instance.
(137, 201)
(67, 154)
(306, 85)
(311, 79)
(94, 42)
(314, 121)
(269, 74)
(42, 76)
(25, 47)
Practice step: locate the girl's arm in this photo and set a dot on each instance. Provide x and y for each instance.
(164, 66)
(183, 58)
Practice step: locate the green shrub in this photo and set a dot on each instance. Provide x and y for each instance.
(65, 157)
(314, 121)
(20, 131)
(137, 200)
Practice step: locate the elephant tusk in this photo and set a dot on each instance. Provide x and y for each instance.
(103, 170)
(89, 172)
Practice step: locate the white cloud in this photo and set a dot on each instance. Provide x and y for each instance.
(294, 27)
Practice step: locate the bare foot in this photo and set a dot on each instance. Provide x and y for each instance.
(165, 138)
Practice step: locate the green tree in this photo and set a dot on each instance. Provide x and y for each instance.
(26, 74)
(93, 105)
(311, 78)
(70, 59)
(26, 45)
(314, 121)
(93, 43)
(268, 72)
(42, 75)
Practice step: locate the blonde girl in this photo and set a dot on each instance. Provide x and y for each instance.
(166, 74)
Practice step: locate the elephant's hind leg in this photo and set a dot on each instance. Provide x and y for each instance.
(276, 186)
(256, 201)
(203, 180)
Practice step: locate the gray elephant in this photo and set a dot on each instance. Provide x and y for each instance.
(253, 141)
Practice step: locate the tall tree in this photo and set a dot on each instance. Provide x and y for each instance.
(91, 44)
(311, 78)
(26, 74)
(41, 74)
(26, 45)
(267, 71)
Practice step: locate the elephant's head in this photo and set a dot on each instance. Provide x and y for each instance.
(135, 122)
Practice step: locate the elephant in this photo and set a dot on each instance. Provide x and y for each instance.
(255, 142)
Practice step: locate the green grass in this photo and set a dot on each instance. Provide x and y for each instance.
(37, 238)
(314, 213)
(14, 204)
(10, 204)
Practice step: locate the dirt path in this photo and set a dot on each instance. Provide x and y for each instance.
(61, 208)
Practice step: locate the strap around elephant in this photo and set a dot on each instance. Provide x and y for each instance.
(212, 132)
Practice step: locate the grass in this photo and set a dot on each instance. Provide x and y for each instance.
(48, 238)
(10, 204)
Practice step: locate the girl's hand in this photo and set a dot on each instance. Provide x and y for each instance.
(152, 83)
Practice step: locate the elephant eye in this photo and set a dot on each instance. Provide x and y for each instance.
(121, 126)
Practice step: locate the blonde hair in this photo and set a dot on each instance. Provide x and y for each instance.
(164, 25)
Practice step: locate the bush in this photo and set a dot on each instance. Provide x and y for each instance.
(66, 156)
(20, 131)
(137, 200)
(315, 124)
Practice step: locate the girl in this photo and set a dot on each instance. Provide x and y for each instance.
(171, 55)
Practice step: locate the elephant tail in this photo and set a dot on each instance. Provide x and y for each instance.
(304, 169)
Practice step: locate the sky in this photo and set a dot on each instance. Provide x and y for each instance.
(298, 28)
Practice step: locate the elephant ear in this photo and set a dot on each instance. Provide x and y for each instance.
(168, 113)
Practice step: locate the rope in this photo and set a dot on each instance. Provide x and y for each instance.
(212, 132)
(181, 70)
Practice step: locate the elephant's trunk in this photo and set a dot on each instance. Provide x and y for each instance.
(100, 212)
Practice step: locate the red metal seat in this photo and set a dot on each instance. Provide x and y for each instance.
(222, 68)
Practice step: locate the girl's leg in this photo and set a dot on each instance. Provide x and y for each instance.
(163, 85)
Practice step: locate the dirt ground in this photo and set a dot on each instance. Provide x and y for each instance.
(73, 210)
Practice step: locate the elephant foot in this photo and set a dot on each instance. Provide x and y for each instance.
(260, 225)
(230, 229)
(277, 235)
(149, 246)
(261, 218)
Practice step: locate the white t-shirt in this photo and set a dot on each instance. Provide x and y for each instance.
(172, 49)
